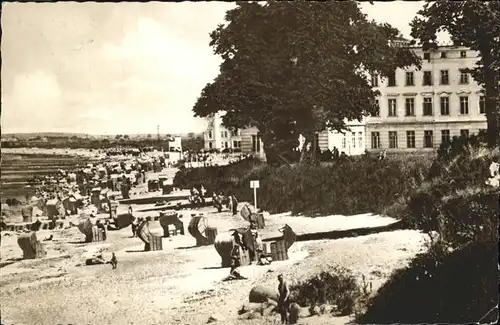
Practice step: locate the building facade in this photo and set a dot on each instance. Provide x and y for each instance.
(351, 142)
(216, 136)
(251, 143)
(420, 109)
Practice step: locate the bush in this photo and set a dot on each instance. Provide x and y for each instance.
(456, 280)
(457, 204)
(338, 288)
(460, 288)
(231, 178)
(349, 185)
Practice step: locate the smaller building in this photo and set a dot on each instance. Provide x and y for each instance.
(174, 144)
(216, 136)
(251, 143)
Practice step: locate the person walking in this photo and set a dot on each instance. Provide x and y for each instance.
(283, 301)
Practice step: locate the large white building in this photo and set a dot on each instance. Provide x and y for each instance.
(216, 136)
(420, 109)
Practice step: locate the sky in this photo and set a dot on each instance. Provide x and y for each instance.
(118, 68)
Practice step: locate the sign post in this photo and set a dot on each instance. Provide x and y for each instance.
(255, 185)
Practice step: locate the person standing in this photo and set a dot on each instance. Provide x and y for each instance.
(234, 204)
(283, 301)
(113, 261)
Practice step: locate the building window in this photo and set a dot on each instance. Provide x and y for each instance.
(427, 109)
(445, 79)
(445, 106)
(353, 139)
(210, 145)
(464, 105)
(392, 107)
(236, 144)
(255, 143)
(445, 136)
(234, 133)
(410, 139)
(428, 137)
(464, 77)
(410, 80)
(463, 54)
(392, 80)
(427, 56)
(443, 55)
(375, 140)
(210, 134)
(393, 139)
(410, 106)
(360, 139)
(464, 133)
(375, 80)
(376, 113)
(344, 144)
(427, 78)
(482, 105)
(223, 134)
(226, 145)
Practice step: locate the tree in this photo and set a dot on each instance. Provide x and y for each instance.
(194, 143)
(126, 137)
(298, 67)
(475, 24)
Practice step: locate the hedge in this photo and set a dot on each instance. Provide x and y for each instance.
(346, 186)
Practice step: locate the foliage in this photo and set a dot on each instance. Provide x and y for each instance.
(456, 280)
(345, 186)
(475, 25)
(193, 143)
(458, 288)
(298, 67)
(216, 178)
(455, 201)
(338, 287)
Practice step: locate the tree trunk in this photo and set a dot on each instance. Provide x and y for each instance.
(314, 144)
(271, 157)
(491, 98)
(303, 150)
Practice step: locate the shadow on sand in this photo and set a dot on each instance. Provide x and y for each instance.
(338, 234)
(10, 261)
(136, 251)
(187, 247)
(213, 268)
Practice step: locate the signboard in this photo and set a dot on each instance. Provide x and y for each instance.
(254, 184)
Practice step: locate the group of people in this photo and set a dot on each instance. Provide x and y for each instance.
(219, 200)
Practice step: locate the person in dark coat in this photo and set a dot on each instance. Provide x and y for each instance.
(113, 261)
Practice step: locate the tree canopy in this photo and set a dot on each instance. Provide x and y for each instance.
(475, 24)
(298, 67)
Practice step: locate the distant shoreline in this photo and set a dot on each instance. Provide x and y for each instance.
(55, 152)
